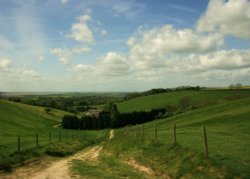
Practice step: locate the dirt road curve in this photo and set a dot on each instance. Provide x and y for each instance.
(111, 134)
(56, 170)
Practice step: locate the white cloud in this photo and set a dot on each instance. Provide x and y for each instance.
(225, 60)
(64, 1)
(79, 50)
(30, 73)
(229, 17)
(113, 64)
(167, 39)
(13, 78)
(194, 65)
(151, 49)
(5, 63)
(83, 68)
(103, 32)
(65, 54)
(80, 30)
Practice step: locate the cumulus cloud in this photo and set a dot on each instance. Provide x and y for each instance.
(30, 73)
(83, 68)
(211, 66)
(229, 17)
(113, 64)
(12, 73)
(225, 60)
(5, 63)
(65, 54)
(151, 49)
(167, 39)
(80, 30)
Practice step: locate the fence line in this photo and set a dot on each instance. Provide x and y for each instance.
(38, 138)
(154, 132)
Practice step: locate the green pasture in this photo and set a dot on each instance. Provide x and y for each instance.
(202, 97)
(228, 133)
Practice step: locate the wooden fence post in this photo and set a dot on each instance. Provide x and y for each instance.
(18, 144)
(205, 142)
(37, 143)
(174, 133)
(156, 132)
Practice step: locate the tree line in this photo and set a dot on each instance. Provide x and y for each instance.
(110, 118)
(161, 90)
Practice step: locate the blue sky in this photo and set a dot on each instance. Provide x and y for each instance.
(116, 45)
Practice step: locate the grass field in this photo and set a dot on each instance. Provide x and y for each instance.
(162, 100)
(26, 121)
(228, 130)
(227, 122)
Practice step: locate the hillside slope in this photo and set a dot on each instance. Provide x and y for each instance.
(228, 131)
(25, 121)
(20, 118)
(202, 97)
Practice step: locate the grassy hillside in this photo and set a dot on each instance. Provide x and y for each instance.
(25, 121)
(228, 130)
(16, 118)
(202, 97)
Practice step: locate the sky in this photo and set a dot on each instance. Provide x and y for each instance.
(118, 45)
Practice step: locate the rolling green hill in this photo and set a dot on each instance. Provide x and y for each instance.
(201, 97)
(24, 120)
(17, 118)
(228, 130)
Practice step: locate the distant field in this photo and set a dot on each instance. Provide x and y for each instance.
(172, 98)
(228, 130)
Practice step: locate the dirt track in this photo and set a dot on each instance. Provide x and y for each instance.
(51, 168)
(55, 170)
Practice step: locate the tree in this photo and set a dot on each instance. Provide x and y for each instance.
(47, 110)
(238, 85)
(231, 86)
(185, 102)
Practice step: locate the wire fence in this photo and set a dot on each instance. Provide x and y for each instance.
(229, 148)
(28, 141)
